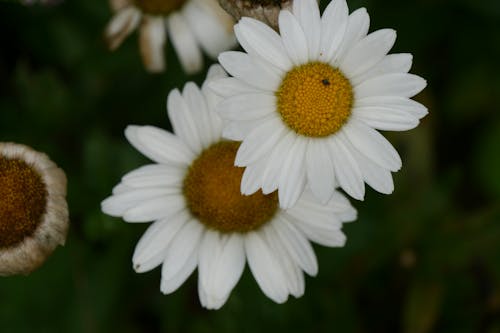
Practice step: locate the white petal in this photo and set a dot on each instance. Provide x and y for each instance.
(221, 263)
(259, 39)
(259, 142)
(294, 278)
(159, 145)
(320, 171)
(231, 86)
(184, 43)
(334, 24)
(211, 26)
(247, 107)
(249, 70)
(199, 110)
(326, 235)
(239, 130)
(119, 203)
(347, 170)
(181, 253)
(372, 144)
(183, 121)
(162, 206)
(415, 109)
(273, 170)
(358, 24)
(151, 248)
(297, 245)
(386, 119)
(293, 175)
(121, 25)
(251, 181)
(378, 178)
(392, 63)
(293, 38)
(402, 85)
(307, 13)
(265, 268)
(368, 52)
(153, 175)
(152, 40)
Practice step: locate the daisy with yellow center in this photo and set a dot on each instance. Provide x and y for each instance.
(33, 209)
(193, 194)
(306, 103)
(192, 25)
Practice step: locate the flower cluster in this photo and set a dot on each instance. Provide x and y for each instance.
(253, 171)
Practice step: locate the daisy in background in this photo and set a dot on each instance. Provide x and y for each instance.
(201, 219)
(307, 102)
(192, 25)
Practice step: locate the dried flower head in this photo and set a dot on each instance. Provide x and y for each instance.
(266, 11)
(33, 209)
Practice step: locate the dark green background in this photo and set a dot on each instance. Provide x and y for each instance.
(424, 259)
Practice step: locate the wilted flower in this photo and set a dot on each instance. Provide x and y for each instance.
(33, 209)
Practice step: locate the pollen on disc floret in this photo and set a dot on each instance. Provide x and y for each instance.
(212, 192)
(315, 99)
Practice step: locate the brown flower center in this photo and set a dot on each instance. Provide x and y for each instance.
(212, 192)
(23, 199)
(315, 99)
(159, 7)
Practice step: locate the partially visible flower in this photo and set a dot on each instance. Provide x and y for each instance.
(33, 209)
(41, 2)
(307, 103)
(266, 11)
(192, 192)
(192, 25)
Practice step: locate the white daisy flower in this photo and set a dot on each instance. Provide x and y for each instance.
(307, 103)
(192, 25)
(201, 219)
(33, 208)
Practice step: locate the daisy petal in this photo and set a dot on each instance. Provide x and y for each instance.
(396, 84)
(153, 175)
(231, 86)
(415, 109)
(221, 263)
(293, 175)
(121, 25)
(325, 235)
(181, 253)
(392, 63)
(386, 119)
(259, 39)
(239, 130)
(156, 208)
(151, 248)
(183, 121)
(307, 13)
(272, 172)
(372, 144)
(159, 145)
(201, 116)
(184, 43)
(152, 38)
(346, 169)
(378, 178)
(368, 52)
(293, 38)
(259, 142)
(247, 69)
(247, 107)
(297, 246)
(265, 268)
(334, 23)
(320, 171)
(358, 24)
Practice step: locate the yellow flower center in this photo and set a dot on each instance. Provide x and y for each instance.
(159, 7)
(23, 199)
(315, 99)
(212, 192)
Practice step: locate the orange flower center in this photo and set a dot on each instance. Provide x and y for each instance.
(159, 7)
(212, 192)
(315, 99)
(23, 198)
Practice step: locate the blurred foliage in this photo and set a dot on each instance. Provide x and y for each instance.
(424, 259)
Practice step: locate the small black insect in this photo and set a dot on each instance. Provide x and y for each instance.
(325, 82)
